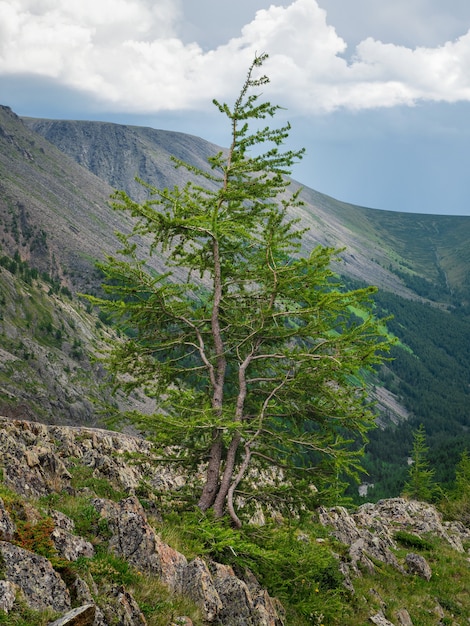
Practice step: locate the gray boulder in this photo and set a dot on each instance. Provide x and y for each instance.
(418, 565)
(8, 591)
(380, 620)
(42, 587)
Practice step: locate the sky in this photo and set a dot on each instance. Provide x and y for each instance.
(376, 91)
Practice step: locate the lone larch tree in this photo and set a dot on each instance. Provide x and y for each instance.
(255, 351)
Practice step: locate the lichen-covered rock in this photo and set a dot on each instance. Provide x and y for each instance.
(135, 540)
(40, 459)
(42, 587)
(418, 565)
(235, 595)
(37, 458)
(380, 620)
(370, 530)
(63, 521)
(199, 586)
(68, 545)
(269, 610)
(124, 610)
(7, 526)
(364, 544)
(8, 591)
(387, 516)
(82, 616)
(404, 618)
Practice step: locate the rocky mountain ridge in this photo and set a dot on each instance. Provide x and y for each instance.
(377, 243)
(40, 462)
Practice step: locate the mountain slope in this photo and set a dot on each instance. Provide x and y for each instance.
(384, 248)
(55, 215)
(117, 153)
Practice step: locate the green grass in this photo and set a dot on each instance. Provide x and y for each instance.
(448, 589)
(22, 615)
(83, 478)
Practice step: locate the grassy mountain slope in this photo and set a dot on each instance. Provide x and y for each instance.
(428, 253)
(54, 213)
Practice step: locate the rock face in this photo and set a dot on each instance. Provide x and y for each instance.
(40, 460)
(369, 533)
(7, 526)
(417, 564)
(221, 595)
(135, 540)
(34, 575)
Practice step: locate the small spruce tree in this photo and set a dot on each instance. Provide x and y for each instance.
(255, 353)
(458, 504)
(462, 475)
(420, 484)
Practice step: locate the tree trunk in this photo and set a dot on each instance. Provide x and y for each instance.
(231, 509)
(209, 491)
(227, 477)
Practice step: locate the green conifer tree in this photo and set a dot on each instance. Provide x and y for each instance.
(462, 475)
(420, 484)
(458, 506)
(255, 352)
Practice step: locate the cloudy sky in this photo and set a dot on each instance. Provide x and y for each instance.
(377, 91)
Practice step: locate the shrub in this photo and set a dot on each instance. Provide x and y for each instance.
(413, 541)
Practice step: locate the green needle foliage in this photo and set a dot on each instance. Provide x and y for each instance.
(420, 484)
(256, 354)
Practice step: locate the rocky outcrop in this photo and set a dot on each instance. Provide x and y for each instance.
(8, 592)
(371, 534)
(82, 616)
(67, 544)
(135, 540)
(222, 596)
(40, 460)
(7, 526)
(370, 531)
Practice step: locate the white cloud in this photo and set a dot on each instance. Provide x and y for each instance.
(440, 74)
(127, 53)
(406, 22)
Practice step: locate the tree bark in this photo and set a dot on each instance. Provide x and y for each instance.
(229, 469)
(231, 509)
(209, 491)
(227, 476)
